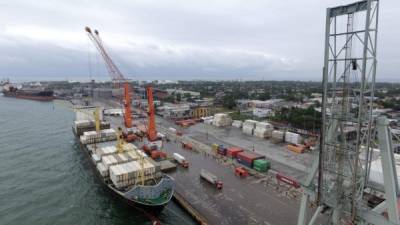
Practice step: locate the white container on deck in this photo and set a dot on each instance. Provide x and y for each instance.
(102, 170)
(126, 174)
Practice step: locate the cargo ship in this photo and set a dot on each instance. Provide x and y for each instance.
(38, 93)
(124, 169)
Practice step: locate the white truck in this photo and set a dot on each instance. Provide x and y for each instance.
(211, 178)
(181, 160)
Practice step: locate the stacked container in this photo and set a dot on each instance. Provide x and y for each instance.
(222, 120)
(261, 165)
(233, 151)
(248, 126)
(263, 130)
(102, 170)
(114, 159)
(126, 174)
(81, 126)
(237, 124)
(214, 147)
(246, 158)
(90, 137)
(107, 150)
(221, 150)
(277, 136)
(96, 158)
(293, 138)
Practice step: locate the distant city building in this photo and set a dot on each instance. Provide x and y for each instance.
(192, 94)
(100, 93)
(175, 111)
(262, 113)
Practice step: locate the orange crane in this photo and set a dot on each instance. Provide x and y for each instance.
(151, 129)
(116, 75)
(153, 142)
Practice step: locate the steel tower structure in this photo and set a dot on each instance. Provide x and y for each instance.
(348, 135)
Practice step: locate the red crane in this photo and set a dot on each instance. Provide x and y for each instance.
(151, 129)
(116, 75)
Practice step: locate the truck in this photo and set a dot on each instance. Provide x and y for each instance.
(181, 160)
(211, 178)
(187, 146)
(241, 171)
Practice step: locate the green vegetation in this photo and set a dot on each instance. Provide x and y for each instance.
(391, 103)
(239, 116)
(299, 118)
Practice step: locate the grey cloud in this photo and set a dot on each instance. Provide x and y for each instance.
(180, 39)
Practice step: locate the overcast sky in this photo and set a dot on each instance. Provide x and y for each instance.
(178, 39)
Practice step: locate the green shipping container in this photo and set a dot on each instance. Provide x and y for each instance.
(261, 165)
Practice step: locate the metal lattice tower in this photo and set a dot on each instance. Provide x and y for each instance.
(348, 131)
(349, 78)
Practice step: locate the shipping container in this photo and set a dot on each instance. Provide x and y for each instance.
(214, 147)
(244, 163)
(249, 156)
(180, 159)
(158, 154)
(277, 136)
(237, 123)
(296, 148)
(293, 138)
(261, 165)
(221, 151)
(233, 151)
(102, 170)
(288, 180)
(211, 178)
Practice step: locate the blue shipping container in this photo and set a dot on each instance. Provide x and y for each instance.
(221, 151)
(245, 163)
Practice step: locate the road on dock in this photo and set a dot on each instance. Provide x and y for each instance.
(241, 201)
(283, 160)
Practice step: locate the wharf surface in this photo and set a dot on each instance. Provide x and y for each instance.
(251, 200)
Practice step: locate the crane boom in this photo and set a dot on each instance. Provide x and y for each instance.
(116, 75)
(113, 70)
(151, 130)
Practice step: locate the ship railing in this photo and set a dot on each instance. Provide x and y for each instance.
(151, 192)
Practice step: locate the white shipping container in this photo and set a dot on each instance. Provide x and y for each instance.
(250, 123)
(102, 170)
(109, 160)
(222, 120)
(126, 174)
(262, 132)
(248, 130)
(293, 138)
(237, 123)
(179, 158)
(96, 158)
(107, 150)
(264, 125)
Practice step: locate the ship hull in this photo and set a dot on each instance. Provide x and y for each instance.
(29, 97)
(149, 210)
